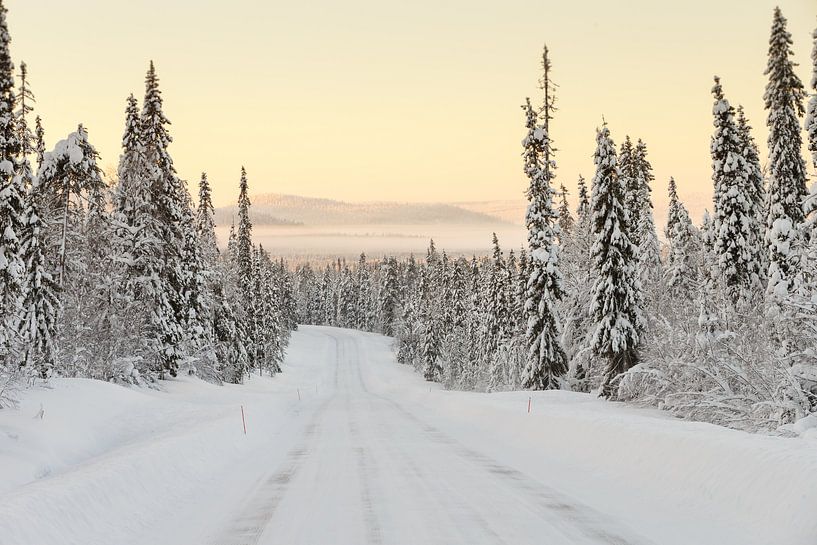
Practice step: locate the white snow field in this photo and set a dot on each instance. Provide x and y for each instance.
(373, 454)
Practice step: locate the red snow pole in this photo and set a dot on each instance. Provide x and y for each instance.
(243, 422)
(528, 405)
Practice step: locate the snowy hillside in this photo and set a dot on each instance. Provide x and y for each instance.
(409, 463)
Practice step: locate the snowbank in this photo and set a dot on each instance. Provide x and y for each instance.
(108, 464)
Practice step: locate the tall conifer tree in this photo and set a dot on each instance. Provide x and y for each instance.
(12, 194)
(733, 200)
(787, 173)
(616, 305)
(546, 362)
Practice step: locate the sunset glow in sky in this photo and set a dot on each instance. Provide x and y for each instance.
(401, 100)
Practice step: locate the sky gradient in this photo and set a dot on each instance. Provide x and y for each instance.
(402, 100)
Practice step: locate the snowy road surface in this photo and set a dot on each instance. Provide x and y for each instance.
(368, 470)
(347, 447)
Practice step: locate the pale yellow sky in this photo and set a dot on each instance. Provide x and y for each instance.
(405, 100)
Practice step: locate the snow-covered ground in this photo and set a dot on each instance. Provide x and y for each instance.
(347, 447)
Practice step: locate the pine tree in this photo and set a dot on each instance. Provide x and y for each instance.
(617, 290)
(12, 193)
(546, 361)
(787, 173)
(736, 262)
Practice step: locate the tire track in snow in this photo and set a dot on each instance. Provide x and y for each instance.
(365, 464)
(248, 527)
(544, 500)
(583, 518)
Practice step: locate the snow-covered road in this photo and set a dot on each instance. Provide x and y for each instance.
(368, 470)
(347, 447)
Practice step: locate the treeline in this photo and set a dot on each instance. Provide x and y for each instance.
(716, 323)
(122, 281)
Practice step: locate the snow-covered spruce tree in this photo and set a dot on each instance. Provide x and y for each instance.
(518, 315)
(39, 142)
(348, 298)
(25, 105)
(455, 349)
(409, 339)
(197, 301)
(430, 317)
(284, 285)
(617, 291)
(628, 178)
(225, 334)
(546, 362)
(757, 191)
(141, 296)
(649, 253)
(811, 112)
(737, 260)
(361, 295)
(12, 207)
(809, 267)
(41, 303)
(497, 319)
(270, 328)
(389, 296)
(573, 309)
(787, 172)
(583, 207)
(566, 221)
(244, 269)
(68, 177)
(206, 224)
(170, 203)
(681, 273)
(673, 211)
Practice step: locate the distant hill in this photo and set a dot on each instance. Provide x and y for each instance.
(226, 215)
(511, 211)
(277, 209)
